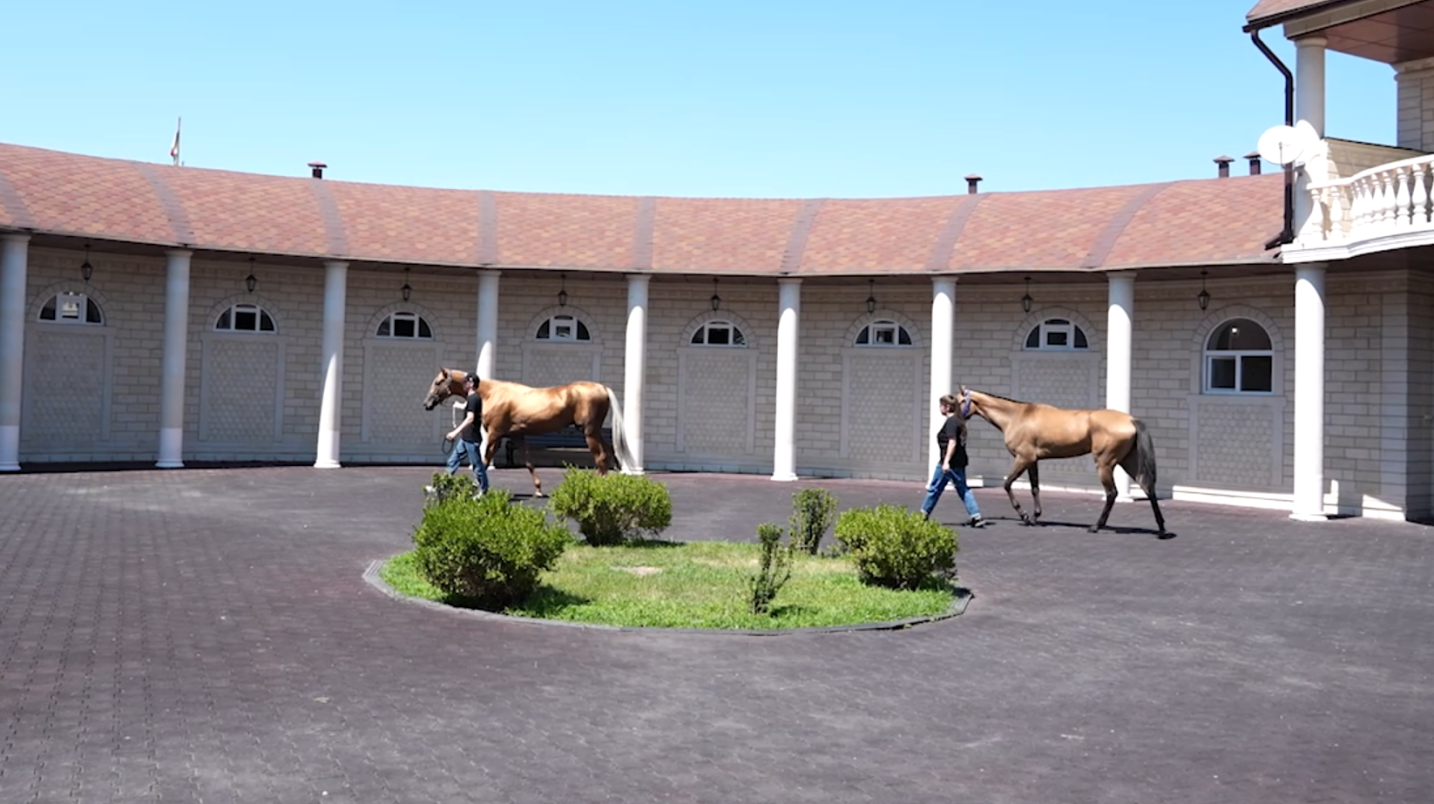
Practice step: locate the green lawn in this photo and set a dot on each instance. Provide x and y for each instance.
(695, 585)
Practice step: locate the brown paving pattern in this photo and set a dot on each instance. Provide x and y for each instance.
(205, 636)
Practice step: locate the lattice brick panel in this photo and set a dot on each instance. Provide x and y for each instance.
(715, 402)
(397, 378)
(242, 386)
(558, 366)
(1235, 446)
(53, 406)
(881, 399)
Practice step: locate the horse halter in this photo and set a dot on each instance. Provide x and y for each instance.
(966, 406)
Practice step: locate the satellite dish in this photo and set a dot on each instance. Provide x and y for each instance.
(1289, 145)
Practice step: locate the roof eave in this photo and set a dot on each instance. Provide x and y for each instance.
(1286, 16)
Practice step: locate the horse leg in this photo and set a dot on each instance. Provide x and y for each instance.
(1106, 469)
(1034, 475)
(528, 462)
(601, 457)
(1129, 463)
(1019, 467)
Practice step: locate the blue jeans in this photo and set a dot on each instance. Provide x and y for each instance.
(471, 449)
(939, 479)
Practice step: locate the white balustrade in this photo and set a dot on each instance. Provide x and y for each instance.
(1388, 201)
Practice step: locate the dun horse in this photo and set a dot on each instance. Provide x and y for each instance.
(516, 411)
(1034, 431)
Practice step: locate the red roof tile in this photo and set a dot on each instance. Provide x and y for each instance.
(1213, 221)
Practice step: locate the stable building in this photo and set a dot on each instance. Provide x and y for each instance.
(151, 313)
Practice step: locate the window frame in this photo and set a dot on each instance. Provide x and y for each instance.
(735, 338)
(88, 311)
(1076, 338)
(900, 336)
(547, 331)
(1208, 358)
(230, 316)
(420, 326)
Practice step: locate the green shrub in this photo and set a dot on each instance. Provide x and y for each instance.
(774, 570)
(611, 508)
(895, 547)
(812, 513)
(488, 550)
(444, 487)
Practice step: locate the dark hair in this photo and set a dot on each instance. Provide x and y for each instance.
(473, 378)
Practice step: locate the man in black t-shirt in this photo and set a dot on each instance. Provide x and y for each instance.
(951, 446)
(468, 435)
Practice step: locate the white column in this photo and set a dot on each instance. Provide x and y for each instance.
(1120, 311)
(943, 322)
(635, 367)
(335, 298)
(14, 255)
(1309, 107)
(487, 322)
(784, 452)
(176, 346)
(1309, 393)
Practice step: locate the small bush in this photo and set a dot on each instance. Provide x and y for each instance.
(895, 547)
(773, 571)
(488, 551)
(813, 511)
(611, 508)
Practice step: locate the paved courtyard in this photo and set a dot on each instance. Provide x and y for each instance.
(206, 635)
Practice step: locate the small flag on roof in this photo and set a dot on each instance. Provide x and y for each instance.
(174, 149)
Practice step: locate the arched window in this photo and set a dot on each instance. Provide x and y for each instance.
(72, 308)
(1057, 334)
(404, 325)
(245, 318)
(718, 333)
(563, 327)
(1239, 359)
(883, 333)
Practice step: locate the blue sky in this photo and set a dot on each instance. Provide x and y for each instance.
(762, 99)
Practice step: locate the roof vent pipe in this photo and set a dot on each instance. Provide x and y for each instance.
(1254, 157)
(318, 168)
(971, 182)
(1224, 163)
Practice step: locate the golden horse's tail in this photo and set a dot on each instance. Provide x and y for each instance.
(625, 457)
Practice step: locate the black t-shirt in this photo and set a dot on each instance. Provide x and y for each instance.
(955, 428)
(473, 432)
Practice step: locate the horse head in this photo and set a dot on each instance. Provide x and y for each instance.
(965, 405)
(446, 384)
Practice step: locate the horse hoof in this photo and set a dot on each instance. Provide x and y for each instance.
(1093, 529)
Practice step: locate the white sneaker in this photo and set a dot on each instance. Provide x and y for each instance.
(429, 490)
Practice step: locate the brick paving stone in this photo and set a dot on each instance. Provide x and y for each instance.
(206, 635)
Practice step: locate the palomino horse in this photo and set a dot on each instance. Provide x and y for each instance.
(515, 411)
(1034, 431)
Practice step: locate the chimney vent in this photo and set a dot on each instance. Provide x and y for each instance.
(971, 182)
(1254, 157)
(318, 168)
(1224, 163)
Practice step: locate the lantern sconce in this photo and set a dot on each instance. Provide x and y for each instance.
(87, 270)
(871, 296)
(563, 290)
(1026, 300)
(1203, 297)
(250, 281)
(407, 289)
(716, 300)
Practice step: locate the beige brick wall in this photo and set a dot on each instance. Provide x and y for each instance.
(1379, 446)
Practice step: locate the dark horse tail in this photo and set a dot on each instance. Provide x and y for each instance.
(1144, 456)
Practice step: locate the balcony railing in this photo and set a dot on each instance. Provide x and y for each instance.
(1384, 207)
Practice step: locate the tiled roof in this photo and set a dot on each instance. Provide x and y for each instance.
(1209, 221)
(1265, 9)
